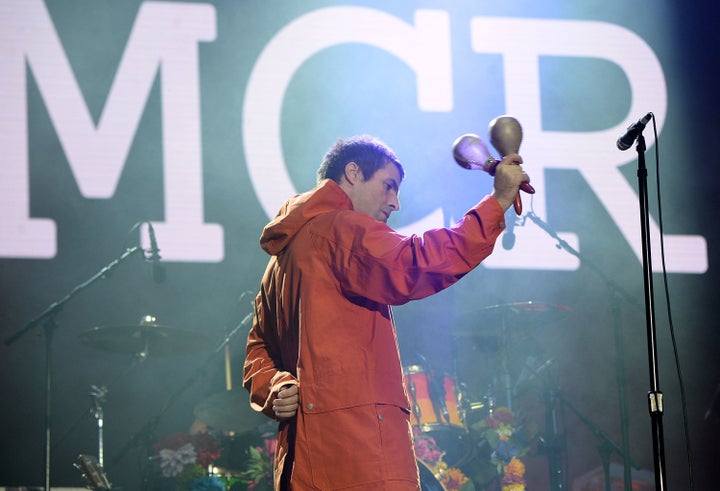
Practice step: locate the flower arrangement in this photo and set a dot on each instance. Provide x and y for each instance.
(186, 458)
(428, 451)
(507, 445)
(513, 476)
(259, 470)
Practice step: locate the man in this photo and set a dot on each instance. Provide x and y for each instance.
(322, 355)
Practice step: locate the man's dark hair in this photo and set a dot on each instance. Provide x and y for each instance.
(369, 153)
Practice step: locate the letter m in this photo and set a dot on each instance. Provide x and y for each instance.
(163, 41)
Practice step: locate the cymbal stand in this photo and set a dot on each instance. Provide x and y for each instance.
(47, 320)
(505, 370)
(98, 394)
(618, 293)
(88, 413)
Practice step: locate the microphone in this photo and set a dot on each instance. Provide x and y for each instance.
(158, 272)
(631, 134)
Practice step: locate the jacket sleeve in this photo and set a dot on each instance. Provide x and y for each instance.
(261, 375)
(371, 260)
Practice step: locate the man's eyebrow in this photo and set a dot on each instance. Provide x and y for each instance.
(395, 184)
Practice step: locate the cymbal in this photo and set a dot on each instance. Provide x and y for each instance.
(148, 338)
(229, 411)
(528, 314)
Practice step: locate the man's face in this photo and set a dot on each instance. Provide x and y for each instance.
(378, 196)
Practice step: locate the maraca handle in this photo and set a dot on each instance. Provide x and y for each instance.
(517, 204)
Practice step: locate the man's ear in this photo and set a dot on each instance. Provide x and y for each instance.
(353, 173)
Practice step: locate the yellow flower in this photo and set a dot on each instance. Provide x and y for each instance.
(439, 468)
(515, 467)
(513, 487)
(453, 479)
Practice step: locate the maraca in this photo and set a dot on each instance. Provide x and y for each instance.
(471, 153)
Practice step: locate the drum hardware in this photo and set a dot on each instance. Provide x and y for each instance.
(475, 406)
(222, 471)
(438, 392)
(530, 371)
(413, 398)
(157, 339)
(499, 323)
(90, 467)
(425, 397)
(438, 412)
(506, 379)
(92, 473)
(462, 403)
(480, 409)
(148, 338)
(438, 400)
(516, 315)
(229, 411)
(98, 393)
(505, 333)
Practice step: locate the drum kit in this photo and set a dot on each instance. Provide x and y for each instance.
(442, 405)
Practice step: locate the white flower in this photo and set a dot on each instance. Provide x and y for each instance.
(172, 462)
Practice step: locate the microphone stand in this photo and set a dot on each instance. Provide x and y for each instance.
(606, 447)
(655, 396)
(47, 320)
(618, 293)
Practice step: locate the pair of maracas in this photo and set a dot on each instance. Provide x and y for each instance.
(471, 153)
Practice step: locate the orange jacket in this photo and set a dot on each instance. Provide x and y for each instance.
(323, 321)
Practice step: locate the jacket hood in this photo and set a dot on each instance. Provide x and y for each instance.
(300, 209)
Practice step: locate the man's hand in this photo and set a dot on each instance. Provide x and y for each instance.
(509, 175)
(286, 403)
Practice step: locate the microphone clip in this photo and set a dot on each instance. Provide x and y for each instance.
(632, 133)
(153, 255)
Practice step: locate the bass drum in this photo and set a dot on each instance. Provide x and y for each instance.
(437, 411)
(428, 481)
